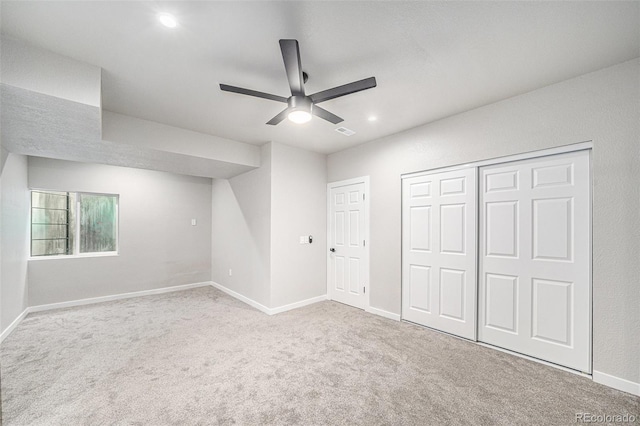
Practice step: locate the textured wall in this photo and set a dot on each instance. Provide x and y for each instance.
(603, 107)
(45, 126)
(298, 207)
(14, 229)
(158, 247)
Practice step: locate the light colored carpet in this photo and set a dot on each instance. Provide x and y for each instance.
(200, 357)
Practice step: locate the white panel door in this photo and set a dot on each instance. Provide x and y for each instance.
(439, 251)
(535, 279)
(348, 263)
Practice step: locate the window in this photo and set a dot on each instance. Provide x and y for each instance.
(72, 223)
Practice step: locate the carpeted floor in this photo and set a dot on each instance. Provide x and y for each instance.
(202, 357)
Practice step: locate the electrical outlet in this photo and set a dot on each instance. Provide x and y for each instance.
(230, 272)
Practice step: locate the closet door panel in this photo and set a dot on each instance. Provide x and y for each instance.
(439, 251)
(534, 271)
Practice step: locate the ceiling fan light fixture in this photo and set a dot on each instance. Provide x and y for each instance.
(299, 116)
(299, 109)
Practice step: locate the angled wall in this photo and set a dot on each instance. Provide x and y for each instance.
(241, 232)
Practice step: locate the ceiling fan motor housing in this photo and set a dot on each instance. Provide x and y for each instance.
(300, 103)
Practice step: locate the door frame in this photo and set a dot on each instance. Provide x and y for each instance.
(367, 203)
(564, 149)
(580, 146)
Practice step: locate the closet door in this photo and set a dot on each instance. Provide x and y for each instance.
(439, 251)
(535, 283)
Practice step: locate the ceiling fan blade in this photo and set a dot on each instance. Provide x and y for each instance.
(323, 113)
(293, 66)
(234, 89)
(278, 118)
(345, 89)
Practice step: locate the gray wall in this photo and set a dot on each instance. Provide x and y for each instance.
(298, 207)
(258, 218)
(603, 107)
(14, 228)
(241, 232)
(158, 247)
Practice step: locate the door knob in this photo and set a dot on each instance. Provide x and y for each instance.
(332, 250)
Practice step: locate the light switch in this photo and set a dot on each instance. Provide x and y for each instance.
(193, 222)
(303, 239)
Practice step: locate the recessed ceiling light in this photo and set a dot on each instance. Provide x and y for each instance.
(167, 20)
(372, 118)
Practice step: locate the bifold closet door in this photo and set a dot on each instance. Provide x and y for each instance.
(534, 272)
(439, 251)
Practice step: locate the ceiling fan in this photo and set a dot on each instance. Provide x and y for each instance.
(300, 105)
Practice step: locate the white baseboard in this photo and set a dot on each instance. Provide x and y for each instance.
(299, 304)
(261, 307)
(242, 298)
(7, 331)
(383, 313)
(92, 300)
(112, 297)
(616, 383)
(71, 303)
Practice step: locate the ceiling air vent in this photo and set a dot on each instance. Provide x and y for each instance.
(345, 131)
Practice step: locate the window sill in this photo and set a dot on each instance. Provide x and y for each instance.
(75, 256)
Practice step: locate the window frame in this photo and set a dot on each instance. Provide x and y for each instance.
(75, 250)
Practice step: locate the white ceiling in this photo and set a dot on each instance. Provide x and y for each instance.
(431, 59)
